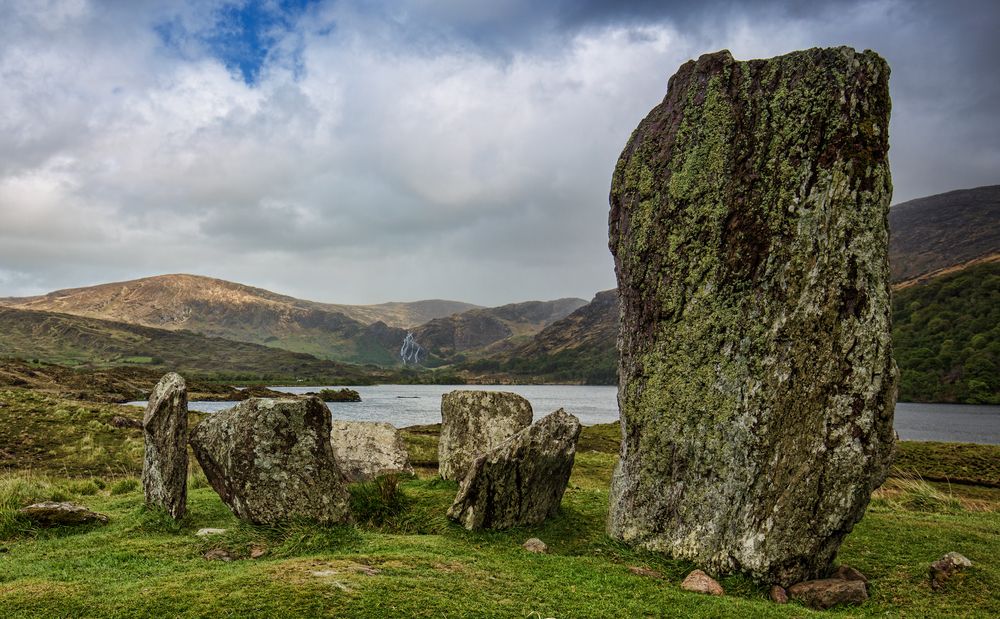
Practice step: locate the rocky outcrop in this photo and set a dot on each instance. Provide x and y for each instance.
(757, 386)
(366, 449)
(165, 430)
(271, 460)
(521, 482)
(474, 422)
(50, 514)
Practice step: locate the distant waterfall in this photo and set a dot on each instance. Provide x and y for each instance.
(411, 352)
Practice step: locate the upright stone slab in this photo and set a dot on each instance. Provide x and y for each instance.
(521, 482)
(757, 386)
(366, 449)
(271, 460)
(474, 422)
(165, 432)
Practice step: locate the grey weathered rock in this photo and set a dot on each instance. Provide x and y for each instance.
(165, 428)
(828, 592)
(757, 386)
(210, 531)
(49, 514)
(535, 545)
(522, 481)
(700, 582)
(474, 422)
(367, 449)
(271, 460)
(947, 566)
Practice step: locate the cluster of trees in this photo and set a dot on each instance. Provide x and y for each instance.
(946, 334)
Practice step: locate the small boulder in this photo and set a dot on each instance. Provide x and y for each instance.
(535, 545)
(475, 422)
(271, 460)
(846, 572)
(521, 482)
(778, 594)
(210, 531)
(50, 514)
(257, 552)
(219, 554)
(828, 592)
(700, 582)
(367, 449)
(947, 566)
(165, 431)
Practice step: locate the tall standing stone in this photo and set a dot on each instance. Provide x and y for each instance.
(757, 386)
(474, 422)
(271, 460)
(165, 431)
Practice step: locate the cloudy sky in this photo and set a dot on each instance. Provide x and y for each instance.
(362, 151)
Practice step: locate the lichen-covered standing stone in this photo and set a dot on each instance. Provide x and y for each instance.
(521, 482)
(474, 422)
(165, 431)
(366, 449)
(757, 386)
(271, 460)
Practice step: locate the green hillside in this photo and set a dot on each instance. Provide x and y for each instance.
(947, 337)
(93, 343)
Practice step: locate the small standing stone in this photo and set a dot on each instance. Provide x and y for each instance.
(165, 466)
(779, 595)
(271, 460)
(475, 422)
(828, 592)
(700, 582)
(522, 481)
(49, 514)
(946, 567)
(535, 545)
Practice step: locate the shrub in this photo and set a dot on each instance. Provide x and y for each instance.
(125, 486)
(374, 502)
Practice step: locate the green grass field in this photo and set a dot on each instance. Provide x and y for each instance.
(415, 562)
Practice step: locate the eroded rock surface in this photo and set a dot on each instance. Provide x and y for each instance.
(165, 432)
(757, 386)
(271, 460)
(522, 481)
(473, 423)
(366, 449)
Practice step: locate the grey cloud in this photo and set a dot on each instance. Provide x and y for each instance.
(426, 149)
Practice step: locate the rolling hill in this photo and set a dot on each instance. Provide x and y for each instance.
(93, 343)
(214, 307)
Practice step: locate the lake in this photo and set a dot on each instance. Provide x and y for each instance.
(408, 405)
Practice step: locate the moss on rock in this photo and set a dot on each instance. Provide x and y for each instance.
(749, 228)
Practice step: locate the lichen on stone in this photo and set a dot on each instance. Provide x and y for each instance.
(749, 228)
